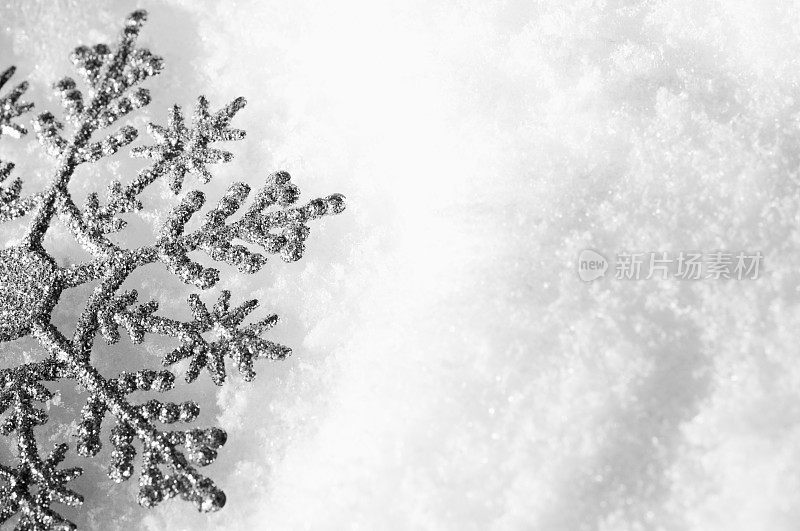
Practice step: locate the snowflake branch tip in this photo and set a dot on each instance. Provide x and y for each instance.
(35, 483)
(111, 71)
(180, 150)
(11, 108)
(241, 344)
(47, 130)
(9, 194)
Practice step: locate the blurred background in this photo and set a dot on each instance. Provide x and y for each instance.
(450, 369)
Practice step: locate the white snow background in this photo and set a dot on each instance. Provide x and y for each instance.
(450, 370)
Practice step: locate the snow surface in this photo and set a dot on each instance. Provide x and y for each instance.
(450, 369)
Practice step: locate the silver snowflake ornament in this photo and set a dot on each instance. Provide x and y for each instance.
(168, 460)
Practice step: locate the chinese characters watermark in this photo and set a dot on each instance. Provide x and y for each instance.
(682, 265)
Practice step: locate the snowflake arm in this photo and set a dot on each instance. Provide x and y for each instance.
(12, 205)
(111, 74)
(19, 388)
(242, 344)
(108, 396)
(282, 230)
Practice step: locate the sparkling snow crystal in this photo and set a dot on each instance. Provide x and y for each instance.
(31, 284)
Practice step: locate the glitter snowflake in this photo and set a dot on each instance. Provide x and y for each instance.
(31, 284)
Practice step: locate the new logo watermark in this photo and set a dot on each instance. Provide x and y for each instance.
(591, 265)
(681, 265)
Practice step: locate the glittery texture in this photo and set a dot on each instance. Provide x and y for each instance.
(31, 284)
